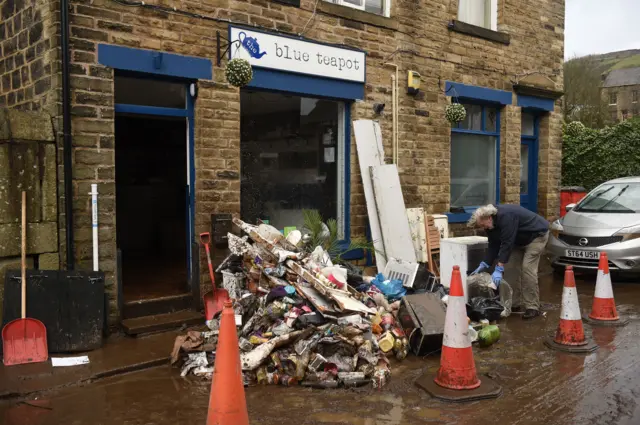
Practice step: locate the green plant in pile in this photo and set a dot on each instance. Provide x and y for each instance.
(591, 157)
(326, 235)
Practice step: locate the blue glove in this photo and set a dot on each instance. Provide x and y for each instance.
(483, 266)
(497, 275)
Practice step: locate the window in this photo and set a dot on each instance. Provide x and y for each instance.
(481, 13)
(634, 96)
(292, 158)
(613, 98)
(474, 158)
(378, 7)
(614, 116)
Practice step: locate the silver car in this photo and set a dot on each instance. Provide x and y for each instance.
(607, 219)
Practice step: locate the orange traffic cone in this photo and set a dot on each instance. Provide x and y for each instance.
(570, 333)
(457, 368)
(603, 310)
(227, 403)
(457, 380)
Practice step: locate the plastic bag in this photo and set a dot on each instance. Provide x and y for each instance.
(479, 285)
(480, 308)
(392, 289)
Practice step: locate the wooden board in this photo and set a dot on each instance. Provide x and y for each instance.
(371, 153)
(418, 233)
(392, 213)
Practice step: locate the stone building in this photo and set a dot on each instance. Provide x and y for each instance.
(169, 142)
(621, 91)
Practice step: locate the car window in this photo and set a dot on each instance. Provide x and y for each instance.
(612, 198)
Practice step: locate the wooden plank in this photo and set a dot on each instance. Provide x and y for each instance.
(392, 213)
(418, 233)
(371, 153)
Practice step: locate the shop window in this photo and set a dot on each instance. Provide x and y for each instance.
(474, 158)
(481, 13)
(292, 158)
(613, 98)
(378, 7)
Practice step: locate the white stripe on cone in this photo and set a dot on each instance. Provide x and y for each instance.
(603, 285)
(456, 329)
(570, 307)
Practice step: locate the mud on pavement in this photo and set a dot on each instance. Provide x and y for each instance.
(541, 386)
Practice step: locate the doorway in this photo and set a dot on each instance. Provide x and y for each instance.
(154, 196)
(151, 230)
(529, 162)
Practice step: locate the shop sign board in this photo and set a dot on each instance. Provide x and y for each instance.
(266, 50)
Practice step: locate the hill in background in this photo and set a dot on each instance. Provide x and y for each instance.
(614, 60)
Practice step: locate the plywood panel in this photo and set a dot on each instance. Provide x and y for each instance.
(392, 213)
(371, 153)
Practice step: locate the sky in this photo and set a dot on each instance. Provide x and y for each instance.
(601, 26)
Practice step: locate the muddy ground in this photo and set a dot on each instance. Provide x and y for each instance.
(540, 386)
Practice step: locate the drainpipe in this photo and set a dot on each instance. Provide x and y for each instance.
(66, 132)
(394, 112)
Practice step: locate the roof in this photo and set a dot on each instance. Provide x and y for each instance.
(623, 77)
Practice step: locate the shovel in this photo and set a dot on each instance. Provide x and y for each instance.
(24, 340)
(213, 301)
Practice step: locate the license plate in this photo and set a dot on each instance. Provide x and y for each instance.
(587, 255)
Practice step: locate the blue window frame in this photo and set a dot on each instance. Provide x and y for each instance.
(475, 161)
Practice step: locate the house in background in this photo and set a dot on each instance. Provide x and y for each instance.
(621, 92)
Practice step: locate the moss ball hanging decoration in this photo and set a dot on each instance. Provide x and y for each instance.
(575, 129)
(455, 112)
(238, 72)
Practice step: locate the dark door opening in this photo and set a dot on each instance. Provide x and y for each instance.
(151, 208)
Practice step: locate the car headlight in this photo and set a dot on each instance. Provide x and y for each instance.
(629, 233)
(556, 228)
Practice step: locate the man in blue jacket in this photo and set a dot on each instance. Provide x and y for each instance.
(517, 239)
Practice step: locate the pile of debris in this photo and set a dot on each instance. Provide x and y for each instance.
(301, 319)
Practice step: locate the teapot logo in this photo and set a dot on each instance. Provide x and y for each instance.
(251, 45)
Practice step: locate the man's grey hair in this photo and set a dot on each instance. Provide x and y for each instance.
(481, 213)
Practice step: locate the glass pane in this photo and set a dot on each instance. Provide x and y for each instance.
(374, 6)
(473, 170)
(473, 120)
(528, 124)
(612, 198)
(491, 120)
(289, 158)
(142, 91)
(524, 169)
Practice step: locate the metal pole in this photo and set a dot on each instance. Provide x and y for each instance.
(94, 225)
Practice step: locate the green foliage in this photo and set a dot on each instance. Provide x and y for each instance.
(595, 156)
(326, 235)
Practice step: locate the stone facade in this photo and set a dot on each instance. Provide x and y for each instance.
(627, 104)
(418, 36)
(27, 163)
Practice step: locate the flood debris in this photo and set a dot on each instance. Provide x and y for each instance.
(302, 320)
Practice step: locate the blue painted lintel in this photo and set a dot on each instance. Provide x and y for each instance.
(154, 62)
(533, 103)
(478, 94)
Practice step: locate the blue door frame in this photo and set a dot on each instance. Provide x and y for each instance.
(185, 69)
(529, 199)
(188, 113)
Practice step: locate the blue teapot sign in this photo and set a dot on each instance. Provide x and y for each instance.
(251, 45)
(294, 55)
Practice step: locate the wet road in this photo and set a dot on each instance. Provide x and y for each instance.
(541, 386)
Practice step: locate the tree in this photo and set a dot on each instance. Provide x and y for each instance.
(582, 99)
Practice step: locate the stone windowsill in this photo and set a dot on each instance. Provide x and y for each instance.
(480, 32)
(357, 15)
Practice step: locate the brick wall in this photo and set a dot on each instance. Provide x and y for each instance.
(416, 38)
(27, 61)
